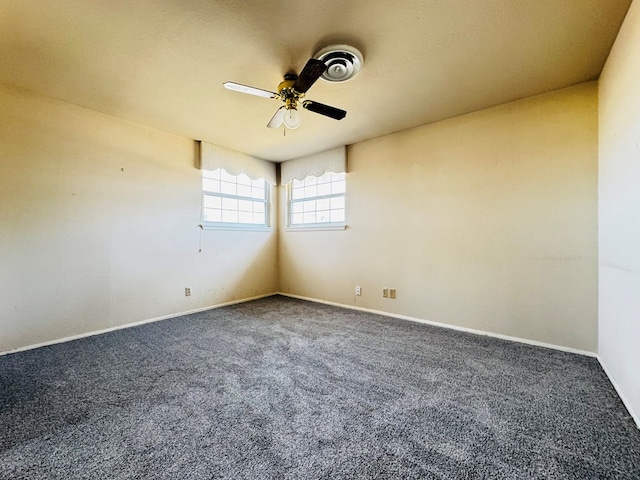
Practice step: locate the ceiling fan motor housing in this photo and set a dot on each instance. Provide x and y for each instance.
(343, 62)
(287, 84)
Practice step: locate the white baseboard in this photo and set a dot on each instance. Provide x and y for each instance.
(625, 401)
(449, 326)
(134, 324)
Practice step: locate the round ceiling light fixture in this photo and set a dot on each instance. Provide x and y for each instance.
(343, 62)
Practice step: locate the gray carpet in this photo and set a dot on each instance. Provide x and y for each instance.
(282, 388)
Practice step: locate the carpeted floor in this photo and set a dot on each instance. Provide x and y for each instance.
(282, 388)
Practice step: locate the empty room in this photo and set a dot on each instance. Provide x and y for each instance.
(304, 240)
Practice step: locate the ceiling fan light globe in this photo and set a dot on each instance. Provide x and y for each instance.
(291, 118)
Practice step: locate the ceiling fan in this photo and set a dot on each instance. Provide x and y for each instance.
(291, 91)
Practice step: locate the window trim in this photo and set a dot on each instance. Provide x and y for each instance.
(247, 227)
(316, 227)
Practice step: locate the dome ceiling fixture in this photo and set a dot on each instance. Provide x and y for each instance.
(343, 62)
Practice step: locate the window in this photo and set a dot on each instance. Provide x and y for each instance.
(317, 201)
(234, 200)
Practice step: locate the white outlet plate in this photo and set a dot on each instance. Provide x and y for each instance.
(187, 291)
(385, 293)
(358, 291)
(392, 293)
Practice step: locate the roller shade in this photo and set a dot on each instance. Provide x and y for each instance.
(213, 157)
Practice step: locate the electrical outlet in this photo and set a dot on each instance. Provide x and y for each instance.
(358, 291)
(187, 291)
(392, 293)
(385, 293)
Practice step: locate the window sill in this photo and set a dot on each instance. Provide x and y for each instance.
(307, 228)
(238, 228)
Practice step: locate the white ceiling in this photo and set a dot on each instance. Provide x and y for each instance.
(162, 62)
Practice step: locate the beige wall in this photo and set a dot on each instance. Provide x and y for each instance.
(619, 212)
(486, 221)
(99, 226)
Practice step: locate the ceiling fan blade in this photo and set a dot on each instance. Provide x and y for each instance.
(237, 87)
(325, 110)
(311, 72)
(277, 118)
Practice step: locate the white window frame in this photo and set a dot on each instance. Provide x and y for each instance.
(214, 225)
(318, 225)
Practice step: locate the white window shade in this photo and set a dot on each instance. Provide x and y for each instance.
(334, 160)
(213, 157)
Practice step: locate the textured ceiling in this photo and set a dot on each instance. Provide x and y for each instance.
(162, 62)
